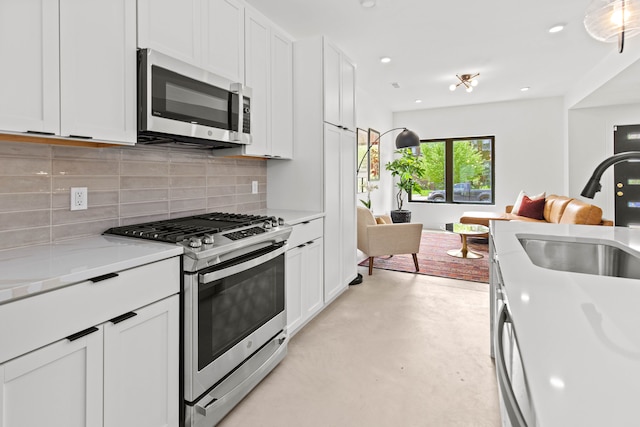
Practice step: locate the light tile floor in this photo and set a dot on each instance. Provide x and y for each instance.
(398, 350)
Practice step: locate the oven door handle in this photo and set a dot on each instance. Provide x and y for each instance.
(204, 278)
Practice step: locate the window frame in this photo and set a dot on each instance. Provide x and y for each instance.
(448, 169)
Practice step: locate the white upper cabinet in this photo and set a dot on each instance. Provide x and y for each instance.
(73, 70)
(98, 69)
(281, 95)
(29, 77)
(339, 88)
(172, 27)
(223, 41)
(269, 74)
(205, 33)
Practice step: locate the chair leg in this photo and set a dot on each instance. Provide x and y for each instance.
(415, 261)
(370, 265)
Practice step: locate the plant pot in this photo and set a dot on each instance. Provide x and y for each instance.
(401, 216)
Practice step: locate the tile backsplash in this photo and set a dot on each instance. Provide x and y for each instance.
(126, 185)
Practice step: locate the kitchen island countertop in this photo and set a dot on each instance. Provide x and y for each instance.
(578, 333)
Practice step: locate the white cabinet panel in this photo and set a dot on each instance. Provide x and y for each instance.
(98, 69)
(293, 280)
(59, 385)
(332, 220)
(140, 367)
(281, 109)
(223, 38)
(348, 93)
(29, 76)
(171, 27)
(332, 72)
(312, 284)
(257, 78)
(304, 283)
(269, 73)
(348, 238)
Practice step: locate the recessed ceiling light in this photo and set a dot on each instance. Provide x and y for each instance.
(418, 101)
(385, 59)
(367, 3)
(556, 28)
(524, 89)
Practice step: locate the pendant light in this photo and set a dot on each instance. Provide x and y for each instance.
(613, 20)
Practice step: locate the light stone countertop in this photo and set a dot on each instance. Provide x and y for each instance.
(31, 270)
(579, 334)
(293, 217)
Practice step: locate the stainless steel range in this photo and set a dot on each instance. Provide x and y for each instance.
(233, 311)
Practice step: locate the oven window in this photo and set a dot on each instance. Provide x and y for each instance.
(180, 98)
(233, 307)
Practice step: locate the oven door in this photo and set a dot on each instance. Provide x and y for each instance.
(231, 310)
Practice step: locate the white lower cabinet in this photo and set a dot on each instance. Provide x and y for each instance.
(124, 372)
(99, 353)
(304, 274)
(140, 356)
(59, 385)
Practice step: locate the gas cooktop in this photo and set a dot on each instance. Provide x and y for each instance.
(208, 238)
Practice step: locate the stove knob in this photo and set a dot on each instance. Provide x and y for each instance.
(280, 222)
(208, 239)
(274, 221)
(266, 225)
(195, 242)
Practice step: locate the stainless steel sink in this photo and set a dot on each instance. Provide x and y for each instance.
(581, 256)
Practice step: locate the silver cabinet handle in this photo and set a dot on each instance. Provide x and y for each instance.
(510, 401)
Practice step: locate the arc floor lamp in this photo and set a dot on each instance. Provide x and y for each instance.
(405, 139)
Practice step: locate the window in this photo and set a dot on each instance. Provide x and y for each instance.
(458, 170)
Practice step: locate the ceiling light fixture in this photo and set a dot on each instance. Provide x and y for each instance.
(556, 28)
(367, 3)
(418, 101)
(468, 80)
(524, 89)
(385, 59)
(613, 20)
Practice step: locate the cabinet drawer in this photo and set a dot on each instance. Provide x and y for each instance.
(36, 321)
(305, 232)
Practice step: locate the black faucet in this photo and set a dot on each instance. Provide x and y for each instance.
(593, 185)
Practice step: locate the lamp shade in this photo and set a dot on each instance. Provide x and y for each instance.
(407, 139)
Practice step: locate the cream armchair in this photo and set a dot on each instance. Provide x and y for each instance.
(381, 237)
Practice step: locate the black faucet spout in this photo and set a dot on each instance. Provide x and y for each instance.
(593, 185)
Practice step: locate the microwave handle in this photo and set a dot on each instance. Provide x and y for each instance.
(239, 90)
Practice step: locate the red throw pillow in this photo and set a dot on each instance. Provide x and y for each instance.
(532, 208)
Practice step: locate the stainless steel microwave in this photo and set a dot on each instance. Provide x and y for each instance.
(179, 103)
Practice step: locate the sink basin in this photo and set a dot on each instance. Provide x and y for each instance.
(580, 256)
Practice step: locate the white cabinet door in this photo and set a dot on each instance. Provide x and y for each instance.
(141, 367)
(269, 73)
(98, 69)
(348, 206)
(172, 27)
(293, 280)
(347, 93)
(59, 385)
(223, 38)
(332, 220)
(29, 76)
(332, 76)
(257, 78)
(281, 109)
(312, 299)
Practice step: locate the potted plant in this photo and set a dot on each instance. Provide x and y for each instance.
(407, 168)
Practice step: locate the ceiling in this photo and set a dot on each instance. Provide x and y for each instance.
(429, 42)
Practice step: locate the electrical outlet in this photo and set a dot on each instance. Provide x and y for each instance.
(254, 187)
(79, 200)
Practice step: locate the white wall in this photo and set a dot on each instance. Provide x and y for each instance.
(529, 149)
(371, 114)
(590, 142)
